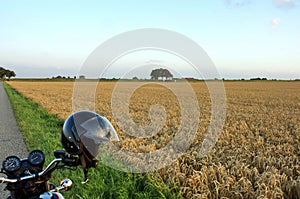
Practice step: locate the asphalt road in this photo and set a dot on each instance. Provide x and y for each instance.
(11, 139)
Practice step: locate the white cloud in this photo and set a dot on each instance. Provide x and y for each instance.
(276, 21)
(284, 3)
(154, 61)
(237, 3)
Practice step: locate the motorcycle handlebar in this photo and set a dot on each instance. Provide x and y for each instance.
(51, 166)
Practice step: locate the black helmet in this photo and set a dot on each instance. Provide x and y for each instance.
(84, 131)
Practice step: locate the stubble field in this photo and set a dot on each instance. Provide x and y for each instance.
(256, 156)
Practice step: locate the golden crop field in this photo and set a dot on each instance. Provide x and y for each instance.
(256, 156)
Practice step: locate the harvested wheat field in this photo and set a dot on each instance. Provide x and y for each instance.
(256, 156)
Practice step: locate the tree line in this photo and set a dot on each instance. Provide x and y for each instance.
(5, 73)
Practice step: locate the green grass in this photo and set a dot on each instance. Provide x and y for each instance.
(42, 130)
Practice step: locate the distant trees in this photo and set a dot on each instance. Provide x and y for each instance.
(258, 78)
(162, 73)
(6, 73)
(2, 72)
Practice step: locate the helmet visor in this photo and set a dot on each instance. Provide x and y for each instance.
(98, 129)
(94, 131)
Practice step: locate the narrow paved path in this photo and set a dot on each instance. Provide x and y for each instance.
(11, 139)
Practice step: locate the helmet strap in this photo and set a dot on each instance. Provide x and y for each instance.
(85, 168)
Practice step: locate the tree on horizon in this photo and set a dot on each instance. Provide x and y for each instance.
(161, 73)
(6, 73)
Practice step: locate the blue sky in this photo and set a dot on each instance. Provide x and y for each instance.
(244, 38)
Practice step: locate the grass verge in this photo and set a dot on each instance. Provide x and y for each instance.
(42, 130)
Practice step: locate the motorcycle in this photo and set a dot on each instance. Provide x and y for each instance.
(27, 179)
(82, 134)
